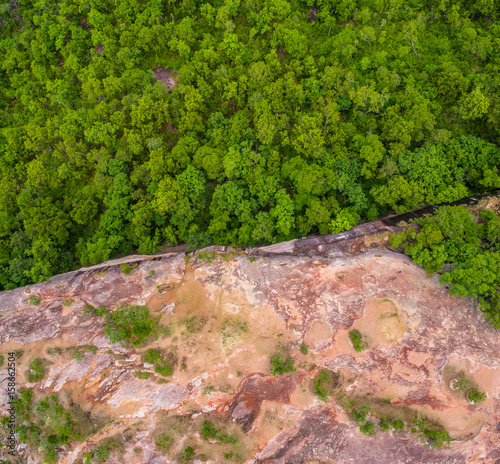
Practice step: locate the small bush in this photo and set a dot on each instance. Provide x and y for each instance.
(207, 256)
(357, 340)
(324, 384)
(476, 396)
(78, 355)
(163, 443)
(36, 370)
(130, 324)
(368, 428)
(34, 300)
(397, 424)
(126, 268)
(103, 451)
(161, 366)
(463, 382)
(187, 455)
(143, 375)
(207, 390)
(303, 348)
(68, 302)
(359, 414)
(385, 425)
(151, 356)
(281, 365)
(436, 438)
(53, 351)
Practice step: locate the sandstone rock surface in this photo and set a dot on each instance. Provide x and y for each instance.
(248, 308)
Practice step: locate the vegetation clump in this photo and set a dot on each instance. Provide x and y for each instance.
(36, 370)
(303, 348)
(281, 364)
(161, 366)
(475, 396)
(187, 455)
(469, 246)
(34, 300)
(130, 324)
(163, 443)
(127, 268)
(208, 431)
(207, 390)
(47, 425)
(195, 324)
(367, 418)
(357, 340)
(324, 384)
(102, 452)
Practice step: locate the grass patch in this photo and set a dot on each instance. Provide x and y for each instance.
(187, 455)
(163, 443)
(325, 383)
(173, 434)
(357, 340)
(36, 370)
(208, 389)
(195, 324)
(208, 431)
(68, 302)
(232, 327)
(281, 364)
(127, 268)
(102, 451)
(207, 256)
(54, 351)
(303, 348)
(34, 300)
(78, 353)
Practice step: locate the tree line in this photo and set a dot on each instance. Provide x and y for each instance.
(288, 118)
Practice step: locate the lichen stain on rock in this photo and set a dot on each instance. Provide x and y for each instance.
(225, 320)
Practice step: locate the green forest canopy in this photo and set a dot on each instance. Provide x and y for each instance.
(467, 245)
(289, 118)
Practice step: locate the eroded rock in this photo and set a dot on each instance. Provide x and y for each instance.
(228, 315)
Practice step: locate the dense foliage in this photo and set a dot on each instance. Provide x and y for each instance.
(289, 117)
(48, 426)
(468, 246)
(132, 325)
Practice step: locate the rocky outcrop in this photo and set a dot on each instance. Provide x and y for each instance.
(227, 313)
